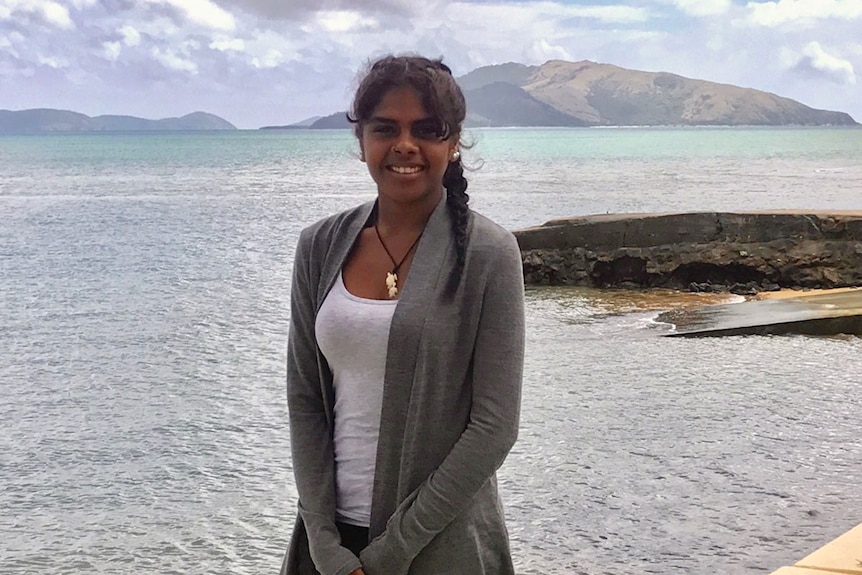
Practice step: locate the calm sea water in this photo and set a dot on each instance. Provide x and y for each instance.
(144, 285)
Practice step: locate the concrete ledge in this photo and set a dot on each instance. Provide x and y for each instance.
(742, 252)
(843, 555)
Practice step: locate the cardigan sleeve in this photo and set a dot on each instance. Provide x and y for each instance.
(498, 358)
(310, 435)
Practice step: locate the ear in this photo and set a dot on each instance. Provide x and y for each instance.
(455, 150)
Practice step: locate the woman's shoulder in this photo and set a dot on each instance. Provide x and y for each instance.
(488, 234)
(326, 230)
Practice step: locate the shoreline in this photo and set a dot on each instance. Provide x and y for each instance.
(799, 293)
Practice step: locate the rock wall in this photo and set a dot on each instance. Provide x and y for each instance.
(742, 252)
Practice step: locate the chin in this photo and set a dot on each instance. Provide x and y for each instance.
(409, 195)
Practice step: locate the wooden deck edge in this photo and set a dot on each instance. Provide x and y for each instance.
(842, 556)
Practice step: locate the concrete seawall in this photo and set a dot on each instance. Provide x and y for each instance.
(741, 252)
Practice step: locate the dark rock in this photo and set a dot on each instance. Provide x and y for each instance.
(749, 288)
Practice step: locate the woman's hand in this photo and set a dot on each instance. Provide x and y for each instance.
(358, 572)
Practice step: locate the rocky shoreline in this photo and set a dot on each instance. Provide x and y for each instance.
(739, 252)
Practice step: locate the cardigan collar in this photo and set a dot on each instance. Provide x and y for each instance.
(430, 254)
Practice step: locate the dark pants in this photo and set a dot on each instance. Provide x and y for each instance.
(353, 537)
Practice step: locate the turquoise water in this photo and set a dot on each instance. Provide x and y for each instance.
(144, 283)
(555, 172)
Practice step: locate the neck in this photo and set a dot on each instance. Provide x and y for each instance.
(412, 217)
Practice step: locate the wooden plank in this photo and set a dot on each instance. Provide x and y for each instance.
(843, 555)
(794, 570)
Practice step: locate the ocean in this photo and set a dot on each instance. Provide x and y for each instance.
(144, 289)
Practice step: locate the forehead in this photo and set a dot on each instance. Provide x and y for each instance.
(403, 103)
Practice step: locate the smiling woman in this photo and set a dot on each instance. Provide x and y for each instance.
(406, 151)
(404, 396)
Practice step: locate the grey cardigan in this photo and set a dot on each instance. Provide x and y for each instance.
(451, 402)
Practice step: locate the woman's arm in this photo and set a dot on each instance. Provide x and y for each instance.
(310, 435)
(498, 359)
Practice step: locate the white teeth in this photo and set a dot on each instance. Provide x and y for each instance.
(405, 169)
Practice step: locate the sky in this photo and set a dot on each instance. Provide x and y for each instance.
(274, 62)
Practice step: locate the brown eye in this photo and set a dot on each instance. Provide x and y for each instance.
(426, 132)
(430, 130)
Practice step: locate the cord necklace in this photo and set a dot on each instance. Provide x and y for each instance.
(392, 277)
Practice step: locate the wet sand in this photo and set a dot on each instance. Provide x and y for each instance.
(794, 294)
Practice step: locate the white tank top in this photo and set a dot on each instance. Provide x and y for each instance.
(353, 334)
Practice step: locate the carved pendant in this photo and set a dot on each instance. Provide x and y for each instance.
(392, 284)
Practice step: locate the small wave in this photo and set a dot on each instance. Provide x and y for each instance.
(654, 322)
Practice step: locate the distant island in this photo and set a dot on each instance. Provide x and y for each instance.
(49, 121)
(560, 93)
(556, 94)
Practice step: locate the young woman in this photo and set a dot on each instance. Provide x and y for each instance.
(405, 352)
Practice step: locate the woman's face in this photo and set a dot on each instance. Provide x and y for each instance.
(402, 149)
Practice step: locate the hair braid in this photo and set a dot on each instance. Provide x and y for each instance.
(456, 202)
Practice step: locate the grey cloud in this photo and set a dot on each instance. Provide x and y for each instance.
(26, 22)
(300, 9)
(11, 67)
(810, 67)
(806, 68)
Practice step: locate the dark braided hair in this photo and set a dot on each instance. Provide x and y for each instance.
(442, 98)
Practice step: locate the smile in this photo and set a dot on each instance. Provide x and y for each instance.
(405, 169)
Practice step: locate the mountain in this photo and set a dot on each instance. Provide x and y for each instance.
(510, 73)
(560, 93)
(46, 120)
(307, 123)
(336, 120)
(606, 95)
(503, 104)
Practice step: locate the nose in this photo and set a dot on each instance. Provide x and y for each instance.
(405, 143)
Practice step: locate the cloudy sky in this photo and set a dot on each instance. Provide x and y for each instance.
(263, 62)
